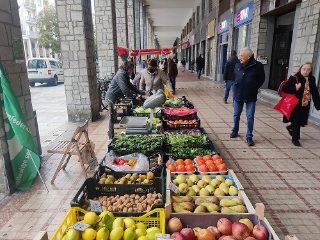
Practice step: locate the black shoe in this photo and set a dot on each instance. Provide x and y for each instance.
(250, 141)
(296, 143)
(289, 129)
(225, 102)
(234, 134)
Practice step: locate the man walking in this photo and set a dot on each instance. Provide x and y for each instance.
(228, 75)
(183, 62)
(200, 64)
(249, 77)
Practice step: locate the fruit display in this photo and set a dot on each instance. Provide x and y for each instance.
(187, 140)
(210, 164)
(184, 131)
(212, 204)
(181, 165)
(218, 186)
(179, 113)
(223, 229)
(107, 226)
(129, 178)
(127, 203)
(179, 124)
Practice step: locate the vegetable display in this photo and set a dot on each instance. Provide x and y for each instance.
(178, 103)
(155, 121)
(185, 152)
(187, 140)
(184, 131)
(136, 143)
(148, 110)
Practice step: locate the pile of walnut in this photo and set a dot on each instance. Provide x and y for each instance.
(130, 203)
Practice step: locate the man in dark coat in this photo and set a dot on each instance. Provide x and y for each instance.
(228, 75)
(200, 64)
(249, 77)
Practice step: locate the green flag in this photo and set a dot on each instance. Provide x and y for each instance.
(22, 149)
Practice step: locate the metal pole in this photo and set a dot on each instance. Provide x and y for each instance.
(29, 153)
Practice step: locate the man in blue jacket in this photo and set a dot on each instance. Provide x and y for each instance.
(249, 77)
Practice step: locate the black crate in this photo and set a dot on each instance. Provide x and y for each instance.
(169, 126)
(91, 189)
(157, 114)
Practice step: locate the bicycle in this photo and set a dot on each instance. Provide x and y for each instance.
(103, 85)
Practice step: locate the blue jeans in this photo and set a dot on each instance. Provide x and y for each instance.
(229, 84)
(199, 73)
(250, 109)
(173, 82)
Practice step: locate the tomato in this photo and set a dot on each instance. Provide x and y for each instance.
(181, 168)
(222, 167)
(172, 168)
(179, 162)
(188, 162)
(213, 168)
(203, 168)
(190, 168)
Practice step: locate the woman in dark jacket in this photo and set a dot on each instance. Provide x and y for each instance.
(303, 89)
(173, 72)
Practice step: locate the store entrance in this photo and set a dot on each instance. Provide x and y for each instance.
(223, 47)
(281, 50)
(203, 48)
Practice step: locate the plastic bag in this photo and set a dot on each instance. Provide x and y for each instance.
(142, 164)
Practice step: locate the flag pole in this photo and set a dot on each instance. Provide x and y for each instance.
(37, 170)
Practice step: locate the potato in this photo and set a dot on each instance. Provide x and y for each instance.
(104, 208)
(150, 202)
(158, 201)
(104, 203)
(144, 206)
(125, 209)
(132, 196)
(142, 198)
(137, 197)
(130, 209)
(126, 196)
(110, 208)
(148, 208)
(154, 195)
(149, 195)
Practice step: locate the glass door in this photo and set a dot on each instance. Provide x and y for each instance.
(223, 47)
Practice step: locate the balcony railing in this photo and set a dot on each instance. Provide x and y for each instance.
(31, 20)
(30, 5)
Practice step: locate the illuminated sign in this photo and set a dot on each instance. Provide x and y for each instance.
(223, 25)
(243, 15)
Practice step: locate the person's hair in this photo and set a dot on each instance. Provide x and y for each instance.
(247, 50)
(309, 63)
(126, 66)
(153, 63)
(233, 53)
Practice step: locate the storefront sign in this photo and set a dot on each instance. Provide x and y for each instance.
(223, 25)
(211, 28)
(243, 15)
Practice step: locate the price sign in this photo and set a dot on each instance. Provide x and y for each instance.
(173, 188)
(93, 163)
(80, 226)
(160, 236)
(172, 161)
(95, 206)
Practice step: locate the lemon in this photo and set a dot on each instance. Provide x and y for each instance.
(152, 235)
(91, 218)
(104, 213)
(143, 238)
(140, 232)
(116, 233)
(152, 229)
(103, 234)
(72, 234)
(89, 234)
(141, 225)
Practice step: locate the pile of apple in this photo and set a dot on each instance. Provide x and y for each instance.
(224, 230)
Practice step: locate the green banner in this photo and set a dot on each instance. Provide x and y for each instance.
(22, 148)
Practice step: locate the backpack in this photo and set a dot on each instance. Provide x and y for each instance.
(280, 91)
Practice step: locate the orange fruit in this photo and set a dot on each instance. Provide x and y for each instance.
(214, 157)
(213, 168)
(222, 167)
(168, 163)
(180, 162)
(200, 162)
(172, 168)
(218, 161)
(209, 162)
(203, 168)
(198, 158)
(190, 168)
(188, 162)
(207, 157)
(181, 168)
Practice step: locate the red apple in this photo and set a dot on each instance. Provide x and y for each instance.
(175, 225)
(196, 230)
(205, 234)
(225, 226)
(187, 233)
(177, 236)
(240, 231)
(250, 238)
(215, 231)
(260, 232)
(227, 237)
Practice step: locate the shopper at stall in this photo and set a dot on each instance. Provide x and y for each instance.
(303, 90)
(165, 66)
(249, 77)
(192, 65)
(200, 65)
(183, 62)
(228, 75)
(153, 78)
(120, 86)
(173, 72)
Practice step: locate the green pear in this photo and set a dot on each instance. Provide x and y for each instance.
(229, 182)
(239, 209)
(204, 192)
(196, 189)
(191, 192)
(202, 184)
(227, 203)
(224, 187)
(219, 193)
(183, 188)
(206, 178)
(194, 178)
(175, 182)
(189, 182)
(215, 183)
(220, 178)
(129, 234)
(233, 191)
(181, 179)
(210, 189)
(238, 201)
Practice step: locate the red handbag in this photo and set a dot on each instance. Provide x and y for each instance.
(287, 103)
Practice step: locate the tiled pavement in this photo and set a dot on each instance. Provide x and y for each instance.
(274, 172)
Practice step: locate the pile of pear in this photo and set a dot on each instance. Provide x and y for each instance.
(193, 186)
(208, 204)
(134, 178)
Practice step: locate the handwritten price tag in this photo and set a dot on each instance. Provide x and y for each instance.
(95, 206)
(172, 161)
(80, 226)
(173, 188)
(160, 236)
(93, 163)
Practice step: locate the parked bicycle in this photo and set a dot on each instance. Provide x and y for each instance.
(103, 85)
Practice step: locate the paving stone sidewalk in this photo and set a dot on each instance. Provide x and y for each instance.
(274, 172)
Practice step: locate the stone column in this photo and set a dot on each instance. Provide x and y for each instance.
(106, 36)
(137, 23)
(17, 76)
(77, 48)
(230, 38)
(121, 25)
(215, 42)
(131, 21)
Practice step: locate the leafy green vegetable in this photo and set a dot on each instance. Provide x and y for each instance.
(137, 143)
(175, 103)
(185, 152)
(186, 140)
(147, 111)
(155, 121)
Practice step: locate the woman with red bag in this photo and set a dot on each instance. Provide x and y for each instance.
(303, 90)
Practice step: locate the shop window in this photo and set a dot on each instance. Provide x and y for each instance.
(40, 3)
(33, 45)
(242, 37)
